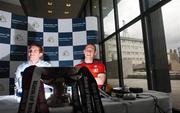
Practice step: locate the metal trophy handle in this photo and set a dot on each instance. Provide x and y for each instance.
(59, 79)
(86, 96)
(85, 93)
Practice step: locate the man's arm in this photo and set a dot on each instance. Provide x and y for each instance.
(18, 79)
(100, 79)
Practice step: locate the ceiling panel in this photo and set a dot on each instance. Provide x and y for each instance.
(39, 8)
(15, 2)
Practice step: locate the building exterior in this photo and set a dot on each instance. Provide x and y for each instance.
(133, 58)
(173, 60)
(132, 55)
(132, 50)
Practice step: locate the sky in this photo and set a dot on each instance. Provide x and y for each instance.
(129, 9)
(171, 18)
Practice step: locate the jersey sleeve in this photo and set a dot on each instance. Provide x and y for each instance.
(101, 68)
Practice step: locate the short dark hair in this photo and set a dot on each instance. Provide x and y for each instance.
(37, 45)
(92, 45)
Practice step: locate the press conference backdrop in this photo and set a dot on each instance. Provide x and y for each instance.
(63, 41)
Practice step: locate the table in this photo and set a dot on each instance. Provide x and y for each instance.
(144, 104)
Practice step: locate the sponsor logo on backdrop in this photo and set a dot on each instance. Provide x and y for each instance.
(3, 18)
(65, 53)
(18, 37)
(35, 25)
(4, 35)
(50, 39)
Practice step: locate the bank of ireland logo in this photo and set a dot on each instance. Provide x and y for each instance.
(19, 38)
(35, 25)
(65, 53)
(50, 39)
(95, 68)
(3, 18)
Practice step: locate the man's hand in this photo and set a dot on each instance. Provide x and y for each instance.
(100, 79)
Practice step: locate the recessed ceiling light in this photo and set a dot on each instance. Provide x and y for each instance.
(94, 6)
(66, 12)
(50, 3)
(104, 8)
(50, 11)
(68, 5)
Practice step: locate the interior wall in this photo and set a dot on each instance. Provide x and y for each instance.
(16, 9)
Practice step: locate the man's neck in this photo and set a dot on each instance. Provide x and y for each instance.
(34, 62)
(88, 60)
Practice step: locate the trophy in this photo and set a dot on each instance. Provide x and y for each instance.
(60, 79)
(60, 96)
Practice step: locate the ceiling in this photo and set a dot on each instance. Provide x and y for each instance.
(49, 8)
(16, 2)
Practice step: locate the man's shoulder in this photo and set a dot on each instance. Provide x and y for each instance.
(97, 61)
(80, 64)
(43, 63)
(24, 64)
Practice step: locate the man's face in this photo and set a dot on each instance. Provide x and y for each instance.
(34, 53)
(89, 51)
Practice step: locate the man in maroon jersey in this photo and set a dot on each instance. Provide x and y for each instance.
(96, 67)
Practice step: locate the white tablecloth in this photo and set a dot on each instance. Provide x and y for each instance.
(145, 104)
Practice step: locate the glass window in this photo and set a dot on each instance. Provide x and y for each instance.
(111, 62)
(128, 10)
(108, 17)
(171, 20)
(133, 62)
